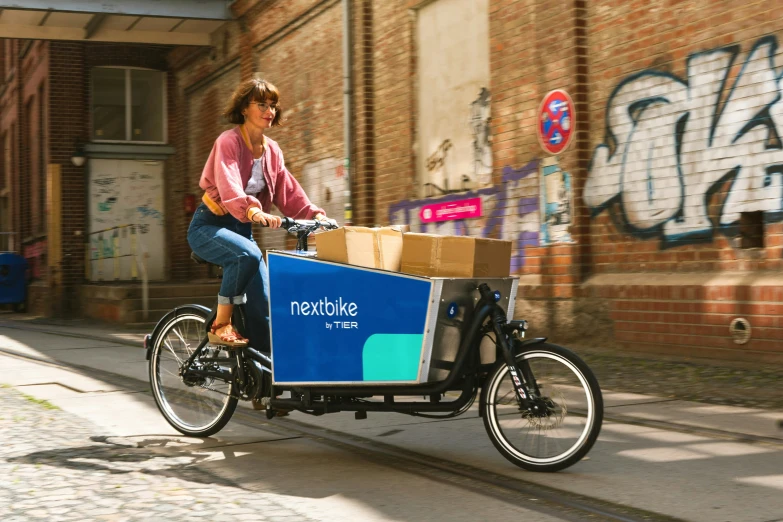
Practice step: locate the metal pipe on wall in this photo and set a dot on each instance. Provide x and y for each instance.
(347, 101)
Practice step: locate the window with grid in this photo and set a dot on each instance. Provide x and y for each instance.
(128, 105)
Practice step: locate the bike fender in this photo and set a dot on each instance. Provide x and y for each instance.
(149, 339)
(530, 342)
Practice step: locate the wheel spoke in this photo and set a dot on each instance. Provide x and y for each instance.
(192, 404)
(167, 343)
(183, 341)
(559, 426)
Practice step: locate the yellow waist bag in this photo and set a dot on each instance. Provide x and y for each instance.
(213, 206)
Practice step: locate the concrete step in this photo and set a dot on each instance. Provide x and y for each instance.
(167, 303)
(112, 312)
(116, 292)
(131, 311)
(136, 317)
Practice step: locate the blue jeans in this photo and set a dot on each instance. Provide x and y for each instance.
(226, 241)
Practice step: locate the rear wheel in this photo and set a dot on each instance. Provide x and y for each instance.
(193, 404)
(561, 424)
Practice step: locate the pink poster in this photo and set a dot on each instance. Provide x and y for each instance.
(451, 210)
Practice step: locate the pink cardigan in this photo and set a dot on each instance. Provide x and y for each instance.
(229, 168)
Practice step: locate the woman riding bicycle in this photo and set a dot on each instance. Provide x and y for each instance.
(244, 176)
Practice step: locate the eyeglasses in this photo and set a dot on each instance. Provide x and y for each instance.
(263, 107)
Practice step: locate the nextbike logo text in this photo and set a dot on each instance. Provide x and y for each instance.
(325, 307)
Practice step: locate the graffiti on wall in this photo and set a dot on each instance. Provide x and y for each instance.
(122, 193)
(671, 143)
(510, 211)
(437, 166)
(482, 150)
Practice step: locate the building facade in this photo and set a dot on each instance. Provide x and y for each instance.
(658, 228)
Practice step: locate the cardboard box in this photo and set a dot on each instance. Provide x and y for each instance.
(362, 246)
(455, 256)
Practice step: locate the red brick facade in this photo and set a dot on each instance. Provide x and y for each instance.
(669, 244)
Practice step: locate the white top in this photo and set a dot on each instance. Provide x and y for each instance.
(256, 183)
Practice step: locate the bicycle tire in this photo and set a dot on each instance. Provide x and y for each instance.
(502, 416)
(187, 324)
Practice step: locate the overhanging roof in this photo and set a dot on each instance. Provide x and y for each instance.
(169, 22)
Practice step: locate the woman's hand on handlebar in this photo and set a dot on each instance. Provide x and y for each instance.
(330, 223)
(266, 220)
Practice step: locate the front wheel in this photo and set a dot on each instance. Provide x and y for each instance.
(195, 405)
(560, 425)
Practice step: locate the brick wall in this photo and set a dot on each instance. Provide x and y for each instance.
(394, 105)
(68, 108)
(9, 124)
(362, 170)
(709, 205)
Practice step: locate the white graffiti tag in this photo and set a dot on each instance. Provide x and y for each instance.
(670, 143)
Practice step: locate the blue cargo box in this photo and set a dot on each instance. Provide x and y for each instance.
(338, 324)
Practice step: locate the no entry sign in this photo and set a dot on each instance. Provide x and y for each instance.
(555, 122)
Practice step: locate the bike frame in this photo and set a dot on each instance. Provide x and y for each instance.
(464, 376)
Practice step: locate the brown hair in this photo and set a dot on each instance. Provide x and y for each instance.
(254, 90)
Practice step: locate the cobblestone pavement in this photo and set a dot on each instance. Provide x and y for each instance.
(53, 470)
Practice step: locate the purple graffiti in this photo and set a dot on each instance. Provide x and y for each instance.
(497, 200)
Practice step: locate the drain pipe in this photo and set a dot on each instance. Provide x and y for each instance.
(347, 99)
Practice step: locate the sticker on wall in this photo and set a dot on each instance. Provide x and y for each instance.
(451, 210)
(556, 203)
(555, 122)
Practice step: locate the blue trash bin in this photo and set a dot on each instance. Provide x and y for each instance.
(13, 280)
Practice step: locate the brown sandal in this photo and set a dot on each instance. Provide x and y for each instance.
(232, 338)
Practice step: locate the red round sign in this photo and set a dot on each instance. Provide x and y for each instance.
(555, 122)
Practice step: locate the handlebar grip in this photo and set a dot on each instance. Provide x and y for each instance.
(288, 222)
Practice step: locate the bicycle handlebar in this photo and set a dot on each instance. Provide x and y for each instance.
(303, 224)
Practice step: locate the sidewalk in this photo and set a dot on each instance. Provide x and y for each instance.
(743, 402)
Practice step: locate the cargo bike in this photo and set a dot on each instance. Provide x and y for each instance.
(352, 339)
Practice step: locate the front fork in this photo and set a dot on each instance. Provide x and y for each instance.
(525, 386)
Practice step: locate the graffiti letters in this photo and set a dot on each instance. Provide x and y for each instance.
(148, 212)
(105, 206)
(437, 159)
(671, 143)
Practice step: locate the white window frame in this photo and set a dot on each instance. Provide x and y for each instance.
(128, 100)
